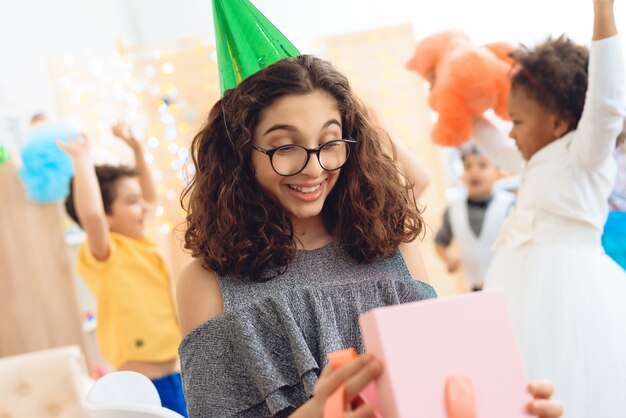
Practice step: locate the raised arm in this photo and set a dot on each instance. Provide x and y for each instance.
(603, 20)
(148, 189)
(496, 146)
(602, 117)
(87, 197)
(412, 169)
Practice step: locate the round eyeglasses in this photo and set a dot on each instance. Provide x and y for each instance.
(289, 160)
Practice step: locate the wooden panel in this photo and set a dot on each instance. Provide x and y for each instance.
(38, 308)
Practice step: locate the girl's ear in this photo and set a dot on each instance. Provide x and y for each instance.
(560, 126)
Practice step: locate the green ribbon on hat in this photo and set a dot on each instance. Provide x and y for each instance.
(246, 41)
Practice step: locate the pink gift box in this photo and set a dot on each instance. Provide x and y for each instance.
(422, 344)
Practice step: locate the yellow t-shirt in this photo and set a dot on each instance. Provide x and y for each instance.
(136, 313)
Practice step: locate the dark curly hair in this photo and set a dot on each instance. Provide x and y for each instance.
(238, 228)
(555, 75)
(107, 175)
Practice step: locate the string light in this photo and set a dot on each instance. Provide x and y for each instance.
(167, 68)
(150, 70)
(164, 228)
(153, 142)
(170, 133)
(154, 89)
(143, 88)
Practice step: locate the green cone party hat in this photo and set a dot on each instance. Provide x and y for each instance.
(246, 41)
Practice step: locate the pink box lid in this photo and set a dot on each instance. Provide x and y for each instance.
(422, 343)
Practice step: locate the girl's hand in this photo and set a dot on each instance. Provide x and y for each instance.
(77, 147)
(123, 132)
(541, 405)
(354, 375)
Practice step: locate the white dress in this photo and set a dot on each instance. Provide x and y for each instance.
(567, 297)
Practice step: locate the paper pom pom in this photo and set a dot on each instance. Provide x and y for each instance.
(46, 169)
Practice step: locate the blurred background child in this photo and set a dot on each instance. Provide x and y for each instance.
(475, 220)
(137, 323)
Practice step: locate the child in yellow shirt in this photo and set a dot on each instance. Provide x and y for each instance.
(137, 323)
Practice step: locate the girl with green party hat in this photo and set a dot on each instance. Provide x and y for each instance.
(299, 222)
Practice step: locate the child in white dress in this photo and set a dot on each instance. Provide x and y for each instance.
(567, 297)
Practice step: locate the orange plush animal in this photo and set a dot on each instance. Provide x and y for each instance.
(466, 81)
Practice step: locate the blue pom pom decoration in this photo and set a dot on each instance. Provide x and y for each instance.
(46, 169)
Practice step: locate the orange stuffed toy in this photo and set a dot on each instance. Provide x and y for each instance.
(466, 81)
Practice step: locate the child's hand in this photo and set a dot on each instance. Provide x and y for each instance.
(541, 405)
(77, 147)
(453, 264)
(354, 375)
(123, 132)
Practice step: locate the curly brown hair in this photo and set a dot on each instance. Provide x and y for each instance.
(107, 175)
(555, 75)
(239, 228)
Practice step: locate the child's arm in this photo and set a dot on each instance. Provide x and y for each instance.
(452, 262)
(443, 239)
(87, 197)
(496, 146)
(148, 189)
(601, 120)
(603, 20)
(414, 171)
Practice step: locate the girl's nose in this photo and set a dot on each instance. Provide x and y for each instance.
(313, 168)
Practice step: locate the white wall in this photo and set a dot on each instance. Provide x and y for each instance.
(32, 30)
(306, 20)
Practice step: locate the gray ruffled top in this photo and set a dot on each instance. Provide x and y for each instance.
(262, 356)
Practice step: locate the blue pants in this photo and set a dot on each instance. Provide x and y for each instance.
(170, 390)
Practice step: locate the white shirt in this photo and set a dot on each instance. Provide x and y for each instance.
(571, 178)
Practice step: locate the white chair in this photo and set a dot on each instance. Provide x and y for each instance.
(46, 383)
(126, 395)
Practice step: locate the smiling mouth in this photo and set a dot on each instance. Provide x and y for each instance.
(305, 190)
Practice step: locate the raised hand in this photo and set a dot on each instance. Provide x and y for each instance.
(123, 132)
(76, 147)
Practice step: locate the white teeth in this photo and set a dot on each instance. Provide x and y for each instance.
(304, 189)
